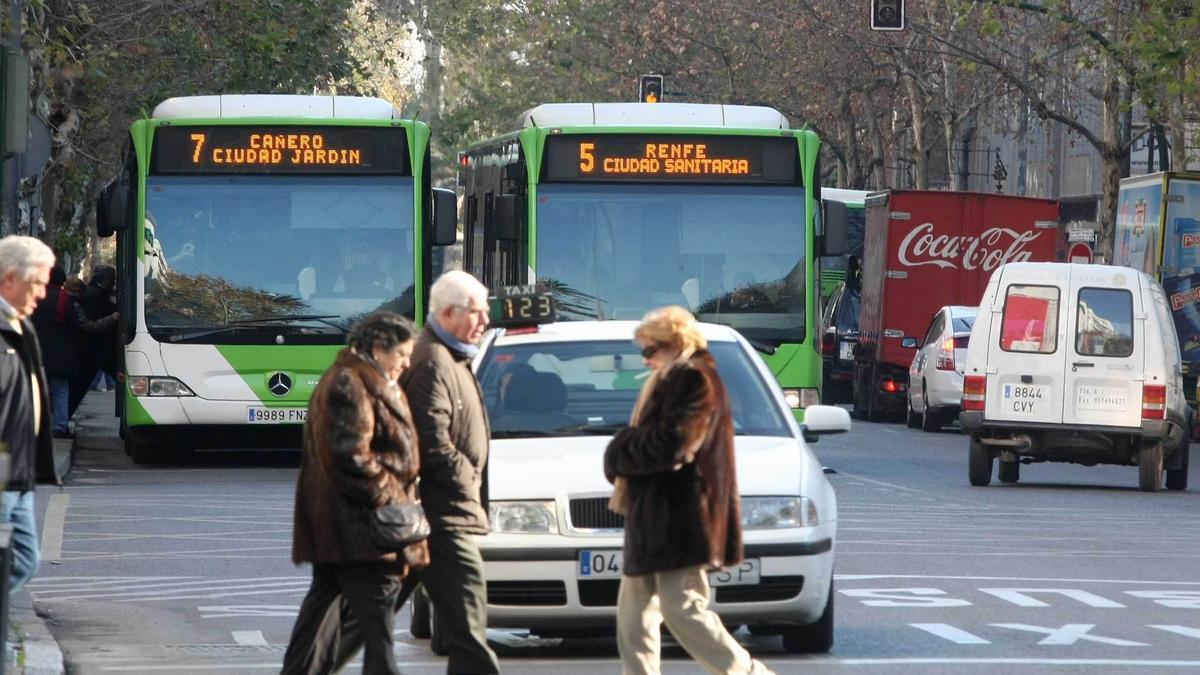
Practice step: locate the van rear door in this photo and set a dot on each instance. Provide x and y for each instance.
(1025, 350)
(1106, 346)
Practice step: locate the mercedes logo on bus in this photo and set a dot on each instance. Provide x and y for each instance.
(279, 384)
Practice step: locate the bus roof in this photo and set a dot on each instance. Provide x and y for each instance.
(652, 114)
(275, 105)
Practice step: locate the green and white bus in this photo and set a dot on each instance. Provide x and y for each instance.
(622, 207)
(252, 232)
(834, 268)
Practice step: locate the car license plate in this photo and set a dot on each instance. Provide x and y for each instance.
(255, 415)
(846, 351)
(607, 565)
(1025, 399)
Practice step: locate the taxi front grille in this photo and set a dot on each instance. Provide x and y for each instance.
(526, 593)
(592, 513)
(603, 593)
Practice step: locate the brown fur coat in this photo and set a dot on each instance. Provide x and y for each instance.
(681, 503)
(360, 451)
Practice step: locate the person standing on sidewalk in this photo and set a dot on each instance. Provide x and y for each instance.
(451, 418)
(674, 479)
(25, 266)
(360, 452)
(61, 326)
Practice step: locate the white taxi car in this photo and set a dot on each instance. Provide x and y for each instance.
(555, 396)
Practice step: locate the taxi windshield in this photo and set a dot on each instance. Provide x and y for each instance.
(589, 387)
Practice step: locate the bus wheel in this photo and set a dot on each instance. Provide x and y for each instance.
(139, 450)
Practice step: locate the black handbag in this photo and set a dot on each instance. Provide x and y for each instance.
(395, 526)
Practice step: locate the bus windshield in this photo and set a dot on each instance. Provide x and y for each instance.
(315, 253)
(732, 254)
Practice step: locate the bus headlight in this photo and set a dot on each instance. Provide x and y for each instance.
(769, 513)
(801, 398)
(141, 385)
(538, 517)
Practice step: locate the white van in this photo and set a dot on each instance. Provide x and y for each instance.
(1075, 363)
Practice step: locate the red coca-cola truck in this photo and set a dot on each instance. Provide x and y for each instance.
(924, 250)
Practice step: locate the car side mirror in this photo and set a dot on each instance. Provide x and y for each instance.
(820, 420)
(909, 343)
(445, 217)
(509, 211)
(834, 239)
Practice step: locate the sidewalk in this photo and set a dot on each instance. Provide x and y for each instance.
(32, 647)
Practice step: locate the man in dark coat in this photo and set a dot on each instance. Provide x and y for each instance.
(99, 351)
(25, 266)
(451, 420)
(61, 324)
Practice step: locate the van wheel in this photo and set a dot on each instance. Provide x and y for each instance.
(1150, 467)
(910, 416)
(419, 626)
(1177, 479)
(1009, 472)
(816, 637)
(979, 463)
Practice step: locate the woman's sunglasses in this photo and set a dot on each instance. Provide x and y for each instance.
(649, 351)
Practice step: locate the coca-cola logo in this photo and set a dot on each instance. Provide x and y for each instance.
(992, 248)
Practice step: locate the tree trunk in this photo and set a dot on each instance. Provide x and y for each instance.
(878, 157)
(1112, 157)
(920, 158)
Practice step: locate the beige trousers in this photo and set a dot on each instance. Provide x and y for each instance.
(678, 598)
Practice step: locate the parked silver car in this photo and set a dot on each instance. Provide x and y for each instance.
(935, 378)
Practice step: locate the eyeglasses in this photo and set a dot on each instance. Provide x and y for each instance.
(650, 350)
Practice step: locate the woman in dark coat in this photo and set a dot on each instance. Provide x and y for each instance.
(360, 452)
(674, 479)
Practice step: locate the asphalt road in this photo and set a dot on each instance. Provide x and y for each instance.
(186, 569)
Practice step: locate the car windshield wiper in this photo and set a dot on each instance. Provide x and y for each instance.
(242, 323)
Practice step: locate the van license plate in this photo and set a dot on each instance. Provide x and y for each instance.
(607, 565)
(1025, 399)
(846, 351)
(256, 415)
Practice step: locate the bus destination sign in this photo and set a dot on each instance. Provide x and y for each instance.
(280, 149)
(671, 159)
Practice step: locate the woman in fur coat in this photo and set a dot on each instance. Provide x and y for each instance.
(674, 478)
(360, 452)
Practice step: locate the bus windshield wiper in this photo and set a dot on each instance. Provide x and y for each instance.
(242, 323)
(759, 345)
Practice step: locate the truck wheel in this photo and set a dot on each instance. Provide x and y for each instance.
(1177, 479)
(1150, 467)
(1008, 472)
(979, 463)
(419, 625)
(814, 638)
(858, 397)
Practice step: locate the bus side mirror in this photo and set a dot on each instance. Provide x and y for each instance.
(509, 212)
(110, 208)
(834, 239)
(445, 217)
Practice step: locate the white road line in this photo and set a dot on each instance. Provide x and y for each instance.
(948, 632)
(52, 529)
(252, 638)
(1180, 630)
(185, 593)
(869, 577)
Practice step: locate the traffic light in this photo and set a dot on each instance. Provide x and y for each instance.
(650, 89)
(887, 14)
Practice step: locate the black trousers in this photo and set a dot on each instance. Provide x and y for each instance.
(345, 599)
(455, 583)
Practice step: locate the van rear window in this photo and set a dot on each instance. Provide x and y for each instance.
(1030, 322)
(1104, 323)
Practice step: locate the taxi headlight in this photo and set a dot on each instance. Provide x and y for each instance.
(538, 517)
(769, 513)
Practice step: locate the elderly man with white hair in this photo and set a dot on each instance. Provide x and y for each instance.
(25, 424)
(451, 419)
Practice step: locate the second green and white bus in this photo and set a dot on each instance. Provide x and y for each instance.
(622, 207)
(252, 232)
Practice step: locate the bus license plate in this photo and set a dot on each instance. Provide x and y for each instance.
(607, 565)
(276, 415)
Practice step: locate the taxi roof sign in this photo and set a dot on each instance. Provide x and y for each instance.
(517, 306)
